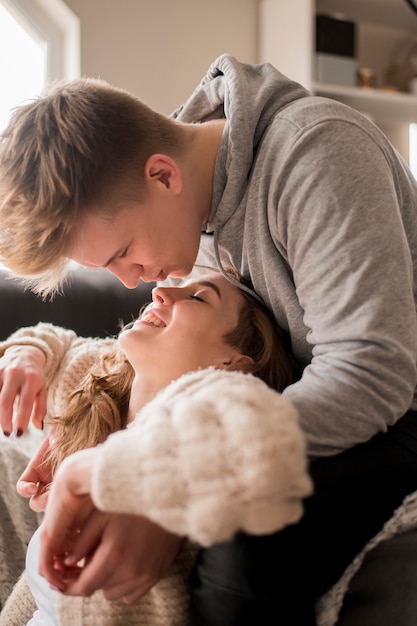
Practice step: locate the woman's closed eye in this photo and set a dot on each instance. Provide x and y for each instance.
(204, 291)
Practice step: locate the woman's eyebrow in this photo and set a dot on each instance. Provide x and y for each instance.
(207, 283)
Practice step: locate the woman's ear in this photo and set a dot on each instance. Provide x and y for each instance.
(238, 363)
(161, 169)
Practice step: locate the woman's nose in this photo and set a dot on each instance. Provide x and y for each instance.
(163, 295)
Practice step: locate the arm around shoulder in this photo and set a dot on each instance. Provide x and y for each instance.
(214, 453)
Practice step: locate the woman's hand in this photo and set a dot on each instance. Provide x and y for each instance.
(36, 478)
(22, 377)
(125, 555)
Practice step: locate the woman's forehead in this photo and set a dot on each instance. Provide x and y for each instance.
(215, 277)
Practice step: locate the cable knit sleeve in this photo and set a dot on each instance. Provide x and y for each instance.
(54, 342)
(213, 453)
(68, 357)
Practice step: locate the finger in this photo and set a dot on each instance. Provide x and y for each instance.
(99, 570)
(39, 501)
(36, 478)
(94, 575)
(129, 592)
(38, 494)
(61, 523)
(26, 489)
(86, 540)
(30, 409)
(131, 598)
(37, 470)
(8, 394)
(39, 409)
(130, 580)
(56, 576)
(64, 575)
(27, 403)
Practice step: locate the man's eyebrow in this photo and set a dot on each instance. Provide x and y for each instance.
(208, 283)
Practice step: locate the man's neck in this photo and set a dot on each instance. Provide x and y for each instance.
(200, 162)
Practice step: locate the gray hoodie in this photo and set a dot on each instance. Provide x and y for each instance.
(314, 206)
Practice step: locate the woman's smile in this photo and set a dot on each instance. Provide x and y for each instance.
(149, 317)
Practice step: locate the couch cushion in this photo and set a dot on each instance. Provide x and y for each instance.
(93, 303)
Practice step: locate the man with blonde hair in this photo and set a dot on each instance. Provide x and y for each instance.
(316, 210)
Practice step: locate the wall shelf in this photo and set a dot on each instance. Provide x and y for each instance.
(287, 40)
(386, 106)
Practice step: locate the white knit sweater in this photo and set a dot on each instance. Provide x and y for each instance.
(67, 359)
(215, 452)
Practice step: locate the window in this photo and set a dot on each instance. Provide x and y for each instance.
(413, 149)
(39, 42)
(26, 75)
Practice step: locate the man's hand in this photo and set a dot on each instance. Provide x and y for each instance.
(22, 377)
(125, 555)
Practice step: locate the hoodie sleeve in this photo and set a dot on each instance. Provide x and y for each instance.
(346, 244)
(214, 453)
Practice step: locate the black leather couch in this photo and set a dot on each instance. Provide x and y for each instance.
(94, 304)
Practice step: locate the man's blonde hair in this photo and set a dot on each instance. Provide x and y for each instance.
(83, 144)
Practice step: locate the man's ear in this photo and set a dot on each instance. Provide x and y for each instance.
(161, 169)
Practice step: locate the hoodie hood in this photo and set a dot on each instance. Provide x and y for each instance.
(249, 96)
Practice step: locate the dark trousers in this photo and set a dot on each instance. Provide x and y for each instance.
(274, 580)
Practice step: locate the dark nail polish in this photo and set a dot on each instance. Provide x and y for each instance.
(6, 433)
(19, 432)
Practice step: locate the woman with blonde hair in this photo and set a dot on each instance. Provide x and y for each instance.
(206, 448)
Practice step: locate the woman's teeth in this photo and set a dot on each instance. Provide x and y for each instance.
(152, 319)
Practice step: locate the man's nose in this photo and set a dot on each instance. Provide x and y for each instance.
(129, 276)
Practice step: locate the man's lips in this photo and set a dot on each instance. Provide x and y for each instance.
(159, 278)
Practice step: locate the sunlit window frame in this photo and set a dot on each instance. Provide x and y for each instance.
(413, 149)
(60, 28)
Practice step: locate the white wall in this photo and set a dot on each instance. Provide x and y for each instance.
(286, 37)
(160, 49)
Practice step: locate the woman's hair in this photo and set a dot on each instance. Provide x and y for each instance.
(80, 146)
(258, 335)
(99, 405)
